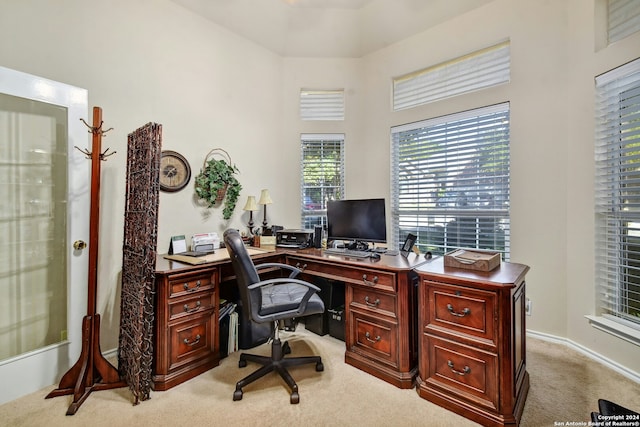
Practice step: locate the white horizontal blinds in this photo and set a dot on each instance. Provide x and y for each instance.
(623, 18)
(322, 104)
(617, 151)
(481, 69)
(450, 181)
(322, 166)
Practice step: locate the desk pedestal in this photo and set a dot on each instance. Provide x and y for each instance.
(380, 312)
(473, 341)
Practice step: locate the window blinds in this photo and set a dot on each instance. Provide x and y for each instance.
(322, 166)
(623, 18)
(322, 104)
(450, 181)
(481, 69)
(617, 203)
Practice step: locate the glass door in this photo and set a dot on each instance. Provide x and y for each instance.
(44, 192)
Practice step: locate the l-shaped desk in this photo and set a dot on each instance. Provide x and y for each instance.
(459, 335)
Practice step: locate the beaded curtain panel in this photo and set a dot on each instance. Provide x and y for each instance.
(135, 355)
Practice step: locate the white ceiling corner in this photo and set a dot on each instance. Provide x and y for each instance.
(328, 28)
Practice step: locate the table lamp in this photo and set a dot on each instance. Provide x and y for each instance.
(265, 199)
(250, 206)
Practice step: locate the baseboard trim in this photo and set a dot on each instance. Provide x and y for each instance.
(110, 353)
(623, 370)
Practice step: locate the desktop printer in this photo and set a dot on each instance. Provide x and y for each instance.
(205, 242)
(294, 238)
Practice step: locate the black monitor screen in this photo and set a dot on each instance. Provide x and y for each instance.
(357, 220)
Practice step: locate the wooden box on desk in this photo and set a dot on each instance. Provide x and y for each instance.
(472, 259)
(264, 242)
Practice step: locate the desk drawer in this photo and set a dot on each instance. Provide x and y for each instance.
(191, 340)
(191, 305)
(376, 302)
(459, 370)
(191, 282)
(374, 338)
(456, 310)
(382, 280)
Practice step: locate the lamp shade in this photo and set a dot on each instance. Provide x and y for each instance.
(265, 198)
(251, 204)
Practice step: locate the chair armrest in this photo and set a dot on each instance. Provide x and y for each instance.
(312, 289)
(294, 270)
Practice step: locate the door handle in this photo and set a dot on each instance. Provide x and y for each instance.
(79, 245)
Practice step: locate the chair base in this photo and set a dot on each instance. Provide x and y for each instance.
(276, 362)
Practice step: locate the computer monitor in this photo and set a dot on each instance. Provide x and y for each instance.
(357, 220)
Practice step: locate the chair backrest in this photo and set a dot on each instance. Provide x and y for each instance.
(246, 273)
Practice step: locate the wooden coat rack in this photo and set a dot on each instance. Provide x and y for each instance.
(92, 371)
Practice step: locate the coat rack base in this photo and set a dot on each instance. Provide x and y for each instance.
(92, 372)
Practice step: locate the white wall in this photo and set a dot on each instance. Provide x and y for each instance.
(538, 102)
(554, 61)
(150, 60)
(586, 60)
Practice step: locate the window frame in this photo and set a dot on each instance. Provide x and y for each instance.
(428, 211)
(478, 70)
(617, 199)
(317, 196)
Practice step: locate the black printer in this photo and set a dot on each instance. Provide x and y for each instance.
(294, 238)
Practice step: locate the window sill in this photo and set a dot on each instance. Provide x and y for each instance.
(615, 328)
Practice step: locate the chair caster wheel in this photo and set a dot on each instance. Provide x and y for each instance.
(286, 348)
(295, 398)
(242, 363)
(237, 395)
(319, 367)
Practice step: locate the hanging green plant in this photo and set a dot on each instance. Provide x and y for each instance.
(217, 182)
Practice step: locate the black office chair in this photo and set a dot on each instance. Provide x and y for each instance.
(271, 300)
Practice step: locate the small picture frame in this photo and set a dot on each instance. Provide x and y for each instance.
(177, 245)
(407, 246)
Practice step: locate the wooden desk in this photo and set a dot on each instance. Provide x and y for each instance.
(380, 313)
(472, 341)
(380, 310)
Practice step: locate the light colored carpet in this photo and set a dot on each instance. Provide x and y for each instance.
(565, 387)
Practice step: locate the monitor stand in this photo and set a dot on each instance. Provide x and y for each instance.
(357, 245)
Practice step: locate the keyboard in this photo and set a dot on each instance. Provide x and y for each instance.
(353, 253)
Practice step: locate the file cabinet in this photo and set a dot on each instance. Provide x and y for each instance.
(472, 345)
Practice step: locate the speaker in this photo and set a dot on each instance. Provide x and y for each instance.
(317, 237)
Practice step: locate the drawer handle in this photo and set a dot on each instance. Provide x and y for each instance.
(299, 267)
(465, 371)
(374, 304)
(464, 312)
(186, 341)
(186, 287)
(196, 308)
(368, 337)
(370, 283)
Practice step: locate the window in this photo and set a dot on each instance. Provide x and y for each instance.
(623, 18)
(478, 70)
(322, 104)
(617, 204)
(450, 181)
(322, 166)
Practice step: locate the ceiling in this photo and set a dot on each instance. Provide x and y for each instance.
(328, 28)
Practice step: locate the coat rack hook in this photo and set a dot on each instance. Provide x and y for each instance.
(95, 129)
(103, 155)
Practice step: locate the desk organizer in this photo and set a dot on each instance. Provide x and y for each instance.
(472, 259)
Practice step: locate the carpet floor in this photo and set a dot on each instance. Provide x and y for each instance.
(565, 388)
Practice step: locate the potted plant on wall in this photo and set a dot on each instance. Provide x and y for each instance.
(217, 182)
